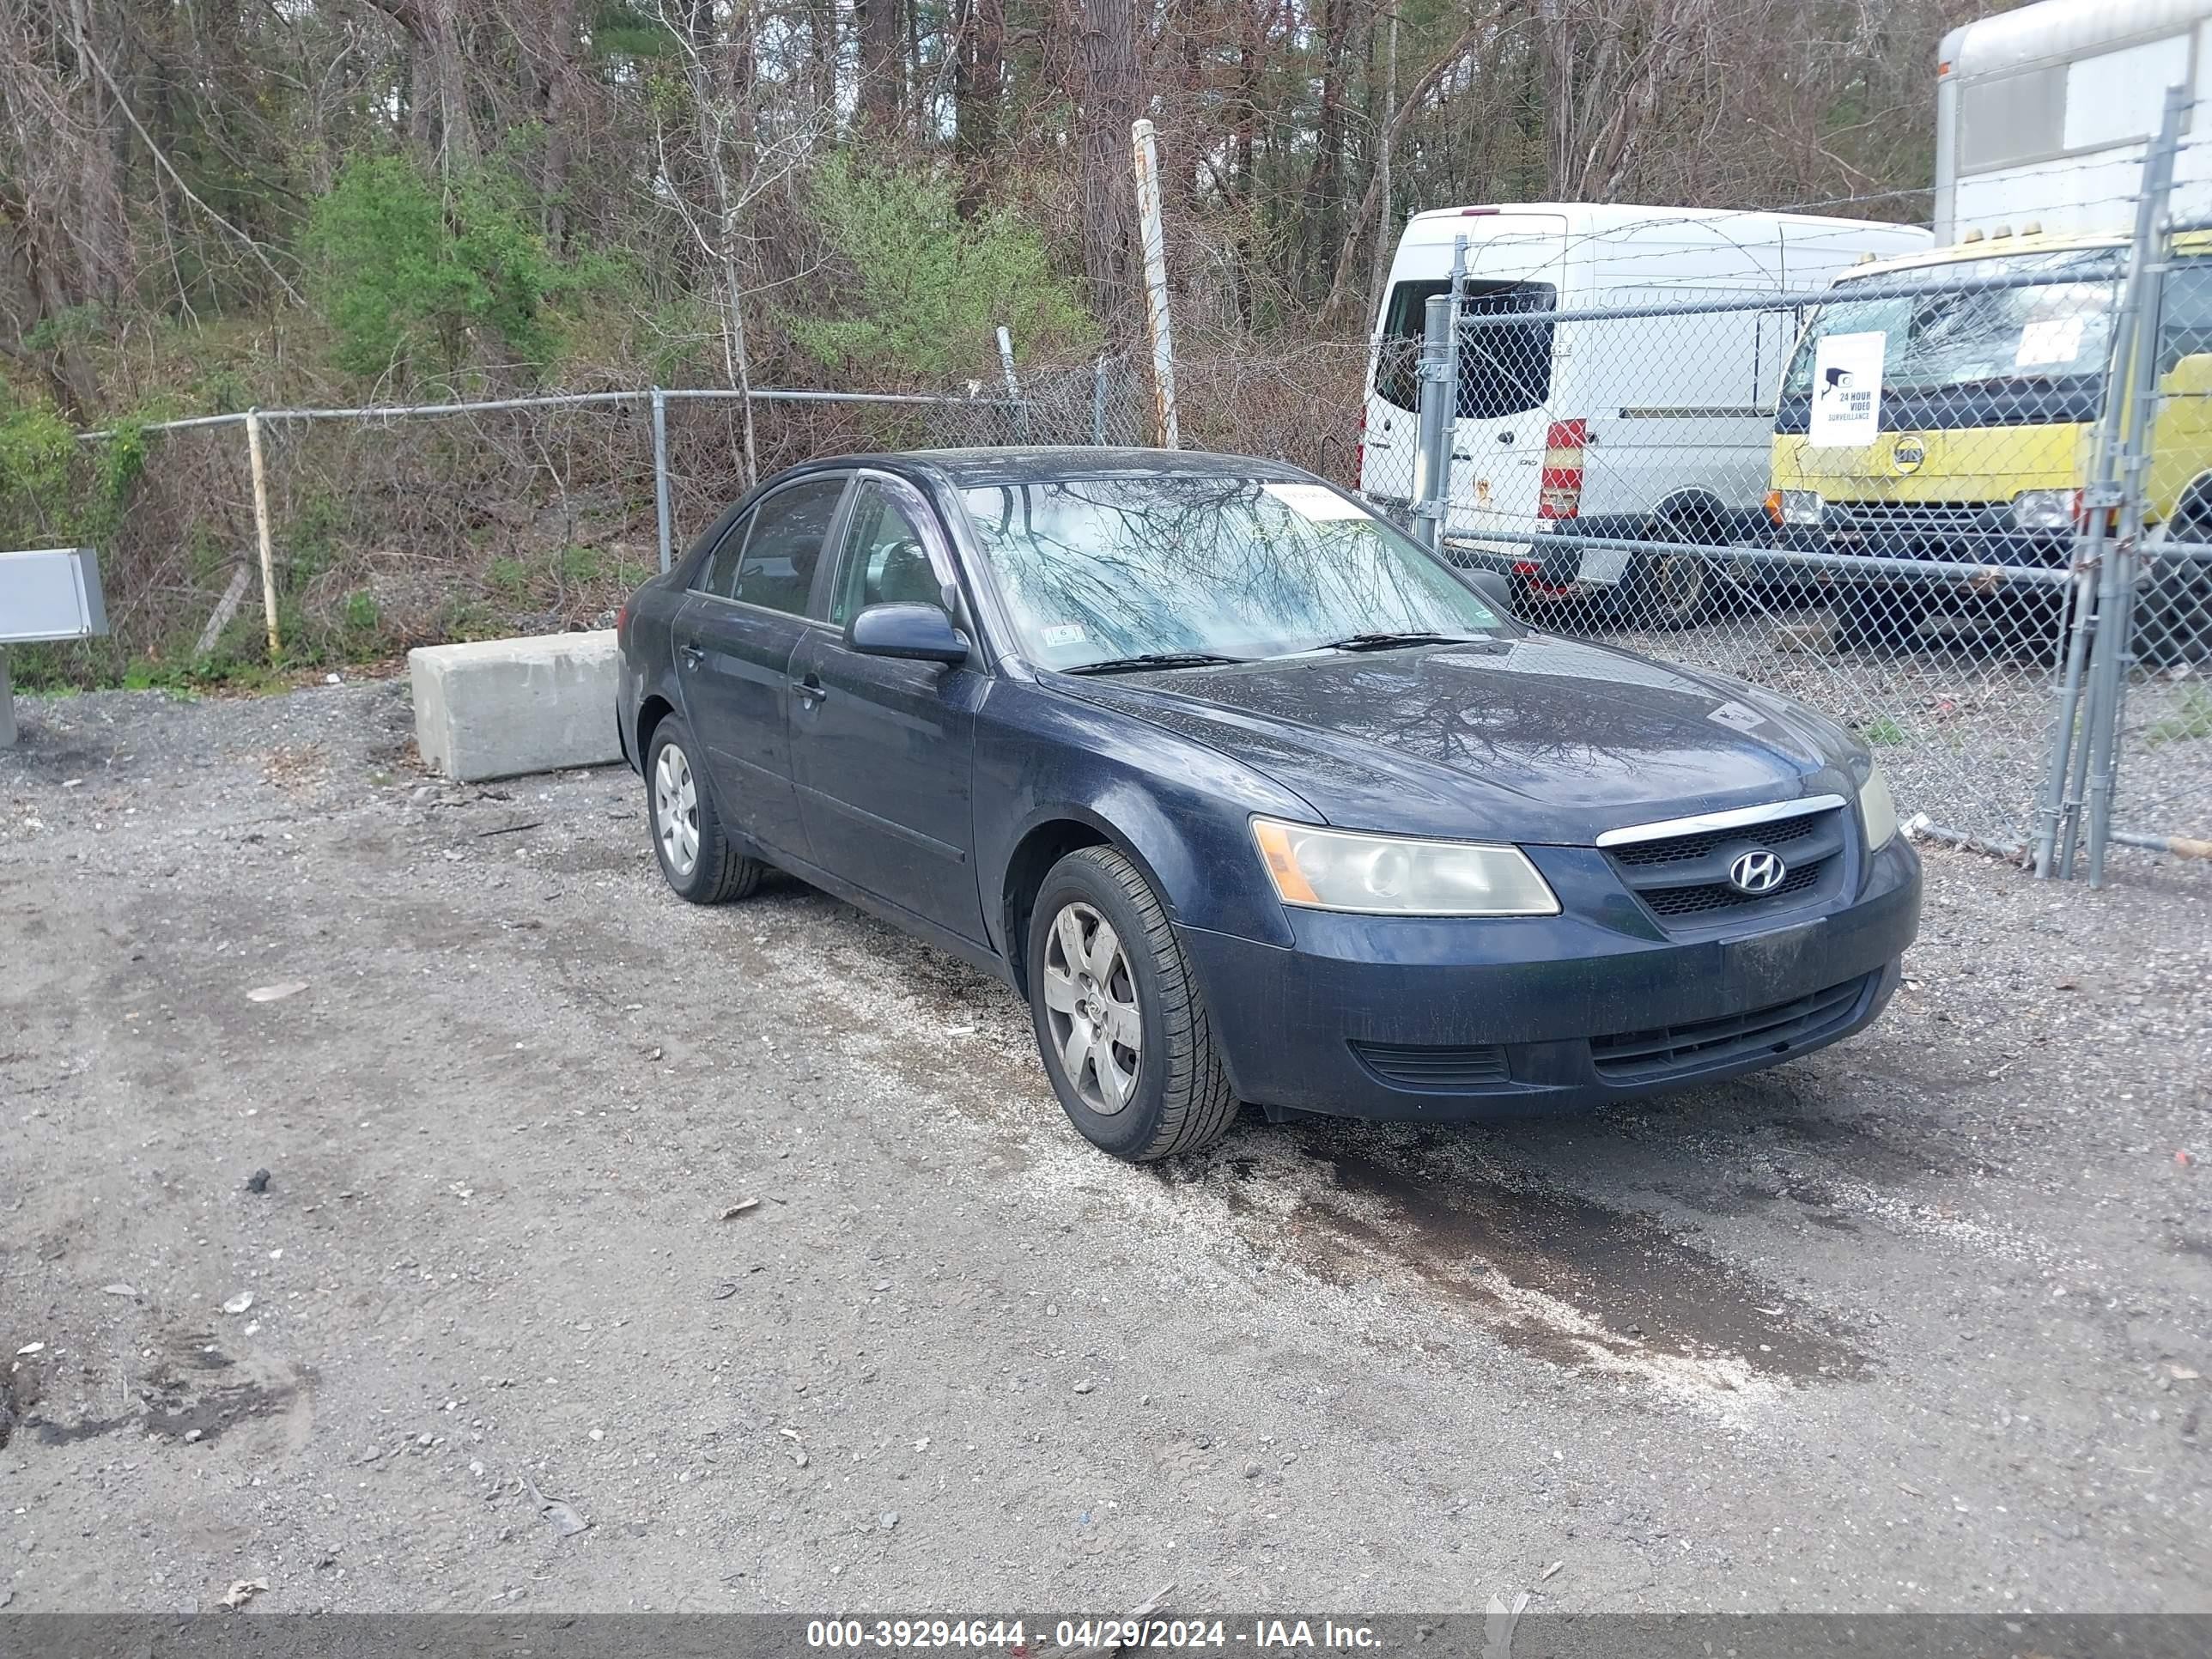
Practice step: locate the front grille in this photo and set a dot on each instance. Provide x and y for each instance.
(1720, 895)
(1679, 849)
(1413, 1067)
(1918, 518)
(1640, 1055)
(1683, 879)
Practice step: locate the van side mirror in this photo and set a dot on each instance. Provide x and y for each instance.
(915, 632)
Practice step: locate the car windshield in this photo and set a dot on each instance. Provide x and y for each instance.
(1100, 570)
(1970, 334)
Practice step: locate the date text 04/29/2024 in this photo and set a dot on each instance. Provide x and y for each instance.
(1259, 1635)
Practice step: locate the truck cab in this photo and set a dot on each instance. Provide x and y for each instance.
(1993, 375)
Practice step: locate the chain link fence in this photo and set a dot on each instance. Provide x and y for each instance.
(388, 527)
(1959, 501)
(1909, 495)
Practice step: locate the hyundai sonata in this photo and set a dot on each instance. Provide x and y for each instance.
(1249, 796)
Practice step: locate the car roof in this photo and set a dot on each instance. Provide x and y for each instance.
(969, 469)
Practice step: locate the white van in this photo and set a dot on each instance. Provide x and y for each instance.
(1649, 429)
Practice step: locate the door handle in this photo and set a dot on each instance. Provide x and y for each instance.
(1505, 437)
(693, 656)
(809, 690)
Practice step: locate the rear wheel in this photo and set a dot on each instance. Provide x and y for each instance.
(694, 854)
(1119, 1020)
(1671, 590)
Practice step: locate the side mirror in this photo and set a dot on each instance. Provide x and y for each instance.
(1496, 591)
(918, 633)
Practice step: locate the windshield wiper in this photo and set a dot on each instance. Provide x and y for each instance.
(1153, 659)
(1390, 640)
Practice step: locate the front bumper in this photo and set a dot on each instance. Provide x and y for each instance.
(1441, 1021)
(1998, 547)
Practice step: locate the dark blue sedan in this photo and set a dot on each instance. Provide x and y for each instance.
(1251, 797)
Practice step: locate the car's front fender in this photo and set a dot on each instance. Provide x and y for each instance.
(1180, 810)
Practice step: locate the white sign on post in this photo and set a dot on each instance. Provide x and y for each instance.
(1847, 390)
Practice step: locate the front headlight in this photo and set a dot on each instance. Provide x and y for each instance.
(2043, 509)
(1801, 507)
(1398, 876)
(1877, 810)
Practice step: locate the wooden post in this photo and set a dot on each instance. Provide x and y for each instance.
(261, 530)
(1154, 241)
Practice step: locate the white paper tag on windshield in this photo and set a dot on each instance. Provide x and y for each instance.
(1315, 502)
(1736, 714)
(1057, 634)
(1847, 390)
(2048, 340)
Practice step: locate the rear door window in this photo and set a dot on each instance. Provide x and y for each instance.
(719, 574)
(784, 544)
(1504, 368)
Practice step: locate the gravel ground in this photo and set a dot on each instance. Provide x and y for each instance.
(1916, 1322)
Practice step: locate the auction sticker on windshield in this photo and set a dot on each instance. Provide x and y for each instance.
(1313, 501)
(2047, 340)
(1847, 390)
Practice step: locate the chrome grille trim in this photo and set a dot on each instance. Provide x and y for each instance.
(1735, 819)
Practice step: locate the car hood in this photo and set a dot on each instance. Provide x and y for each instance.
(1535, 739)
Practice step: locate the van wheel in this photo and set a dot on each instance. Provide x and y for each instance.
(1878, 620)
(1671, 590)
(2173, 607)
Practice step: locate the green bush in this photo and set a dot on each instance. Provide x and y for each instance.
(408, 277)
(932, 288)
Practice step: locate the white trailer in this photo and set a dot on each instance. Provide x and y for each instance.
(2042, 114)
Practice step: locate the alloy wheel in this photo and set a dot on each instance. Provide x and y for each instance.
(1091, 1009)
(676, 810)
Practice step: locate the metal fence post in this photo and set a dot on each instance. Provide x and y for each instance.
(2136, 372)
(264, 540)
(660, 477)
(2116, 636)
(1098, 401)
(1013, 386)
(1432, 452)
(2083, 735)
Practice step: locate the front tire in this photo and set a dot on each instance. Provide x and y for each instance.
(1119, 1020)
(1876, 620)
(2173, 608)
(687, 840)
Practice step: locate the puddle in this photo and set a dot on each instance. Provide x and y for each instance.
(1551, 1275)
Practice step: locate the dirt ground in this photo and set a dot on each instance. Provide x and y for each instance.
(1921, 1321)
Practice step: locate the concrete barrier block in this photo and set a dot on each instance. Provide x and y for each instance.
(496, 708)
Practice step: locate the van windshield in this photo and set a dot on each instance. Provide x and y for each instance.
(1504, 368)
(1969, 335)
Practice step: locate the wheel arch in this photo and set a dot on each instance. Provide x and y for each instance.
(1048, 839)
(2195, 500)
(651, 710)
(1693, 504)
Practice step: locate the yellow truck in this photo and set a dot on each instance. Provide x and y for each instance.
(1976, 450)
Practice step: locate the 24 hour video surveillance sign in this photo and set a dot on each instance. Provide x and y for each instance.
(1847, 390)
